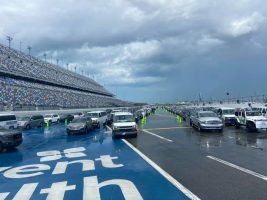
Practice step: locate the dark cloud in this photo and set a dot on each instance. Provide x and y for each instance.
(152, 50)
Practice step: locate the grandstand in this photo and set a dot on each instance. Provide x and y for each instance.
(27, 83)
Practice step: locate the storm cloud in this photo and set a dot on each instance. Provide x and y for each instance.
(149, 50)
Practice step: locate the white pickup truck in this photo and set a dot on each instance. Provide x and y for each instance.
(51, 118)
(252, 120)
(227, 115)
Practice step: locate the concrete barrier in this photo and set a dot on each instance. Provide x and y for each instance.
(71, 111)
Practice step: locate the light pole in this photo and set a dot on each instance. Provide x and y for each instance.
(20, 44)
(9, 40)
(228, 96)
(29, 48)
(67, 66)
(45, 56)
(57, 61)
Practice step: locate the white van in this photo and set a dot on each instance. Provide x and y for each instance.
(98, 118)
(8, 121)
(123, 124)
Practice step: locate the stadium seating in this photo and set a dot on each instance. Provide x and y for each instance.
(13, 61)
(22, 92)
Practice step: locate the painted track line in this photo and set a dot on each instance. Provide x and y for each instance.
(178, 185)
(108, 128)
(166, 116)
(178, 127)
(239, 168)
(163, 138)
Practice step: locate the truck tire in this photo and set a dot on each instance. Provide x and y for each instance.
(251, 127)
(237, 125)
(28, 126)
(199, 128)
(191, 124)
(114, 137)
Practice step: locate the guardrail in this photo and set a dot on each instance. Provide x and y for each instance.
(43, 112)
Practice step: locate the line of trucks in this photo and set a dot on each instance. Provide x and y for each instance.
(216, 118)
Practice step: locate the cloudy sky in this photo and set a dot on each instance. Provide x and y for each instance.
(149, 50)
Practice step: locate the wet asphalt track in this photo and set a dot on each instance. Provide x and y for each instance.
(178, 149)
(183, 151)
(51, 165)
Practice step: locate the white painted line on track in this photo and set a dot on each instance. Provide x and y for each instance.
(239, 168)
(169, 128)
(163, 138)
(178, 185)
(108, 128)
(167, 116)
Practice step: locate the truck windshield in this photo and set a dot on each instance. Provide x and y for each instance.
(124, 118)
(207, 114)
(23, 118)
(253, 113)
(79, 120)
(92, 114)
(229, 112)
